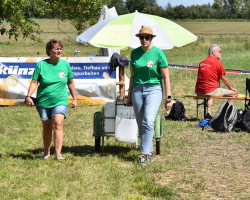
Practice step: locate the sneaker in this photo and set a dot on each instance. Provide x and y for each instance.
(60, 158)
(208, 116)
(150, 157)
(142, 160)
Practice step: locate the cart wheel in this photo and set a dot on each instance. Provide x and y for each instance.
(97, 144)
(158, 133)
(158, 147)
(97, 130)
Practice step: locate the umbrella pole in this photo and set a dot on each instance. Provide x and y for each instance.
(121, 83)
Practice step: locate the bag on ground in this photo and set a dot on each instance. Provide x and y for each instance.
(225, 118)
(238, 127)
(246, 120)
(177, 111)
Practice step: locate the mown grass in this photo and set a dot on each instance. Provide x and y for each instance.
(193, 164)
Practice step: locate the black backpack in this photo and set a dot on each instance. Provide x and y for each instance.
(246, 120)
(238, 127)
(225, 118)
(177, 111)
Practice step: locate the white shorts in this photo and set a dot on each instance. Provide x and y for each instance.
(217, 92)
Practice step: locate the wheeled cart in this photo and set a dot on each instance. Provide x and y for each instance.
(104, 124)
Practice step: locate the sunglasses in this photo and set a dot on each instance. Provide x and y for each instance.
(144, 37)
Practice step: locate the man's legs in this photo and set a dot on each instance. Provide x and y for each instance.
(209, 106)
(232, 94)
(217, 92)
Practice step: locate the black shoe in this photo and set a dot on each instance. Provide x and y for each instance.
(208, 116)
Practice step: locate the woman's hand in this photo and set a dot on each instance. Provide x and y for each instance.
(168, 105)
(74, 104)
(33, 86)
(29, 101)
(72, 90)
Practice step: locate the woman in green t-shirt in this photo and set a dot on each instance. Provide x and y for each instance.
(148, 66)
(51, 77)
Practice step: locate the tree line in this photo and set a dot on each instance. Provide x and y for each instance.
(220, 9)
(20, 14)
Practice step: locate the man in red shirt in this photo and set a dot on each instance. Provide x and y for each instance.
(210, 73)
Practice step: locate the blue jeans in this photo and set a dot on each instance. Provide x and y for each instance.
(146, 102)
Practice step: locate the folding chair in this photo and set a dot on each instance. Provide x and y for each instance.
(247, 102)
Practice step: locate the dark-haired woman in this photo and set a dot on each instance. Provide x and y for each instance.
(52, 76)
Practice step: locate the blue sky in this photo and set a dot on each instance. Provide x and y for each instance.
(185, 3)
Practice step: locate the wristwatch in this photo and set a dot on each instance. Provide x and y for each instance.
(168, 98)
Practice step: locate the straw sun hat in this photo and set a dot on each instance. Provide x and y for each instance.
(145, 30)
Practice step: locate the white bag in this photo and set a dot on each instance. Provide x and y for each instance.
(126, 128)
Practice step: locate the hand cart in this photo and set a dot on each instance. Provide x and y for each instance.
(100, 129)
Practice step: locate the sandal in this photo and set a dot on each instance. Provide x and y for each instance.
(47, 156)
(60, 158)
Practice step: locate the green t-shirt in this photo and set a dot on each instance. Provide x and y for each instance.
(147, 65)
(52, 90)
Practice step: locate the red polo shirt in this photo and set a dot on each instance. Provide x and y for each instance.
(209, 73)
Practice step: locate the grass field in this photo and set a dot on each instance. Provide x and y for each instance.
(193, 164)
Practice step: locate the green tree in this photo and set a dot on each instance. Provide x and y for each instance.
(39, 9)
(169, 12)
(119, 5)
(20, 23)
(246, 9)
(217, 4)
(180, 12)
(200, 11)
(78, 12)
(234, 8)
(19, 15)
(154, 10)
(218, 11)
(139, 5)
(152, 3)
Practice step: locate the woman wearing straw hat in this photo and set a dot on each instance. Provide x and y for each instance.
(148, 66)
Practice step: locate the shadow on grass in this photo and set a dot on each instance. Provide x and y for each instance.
(86, 150)
(122, 152)
(187, 119)
(24, 156)
(192, 119)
